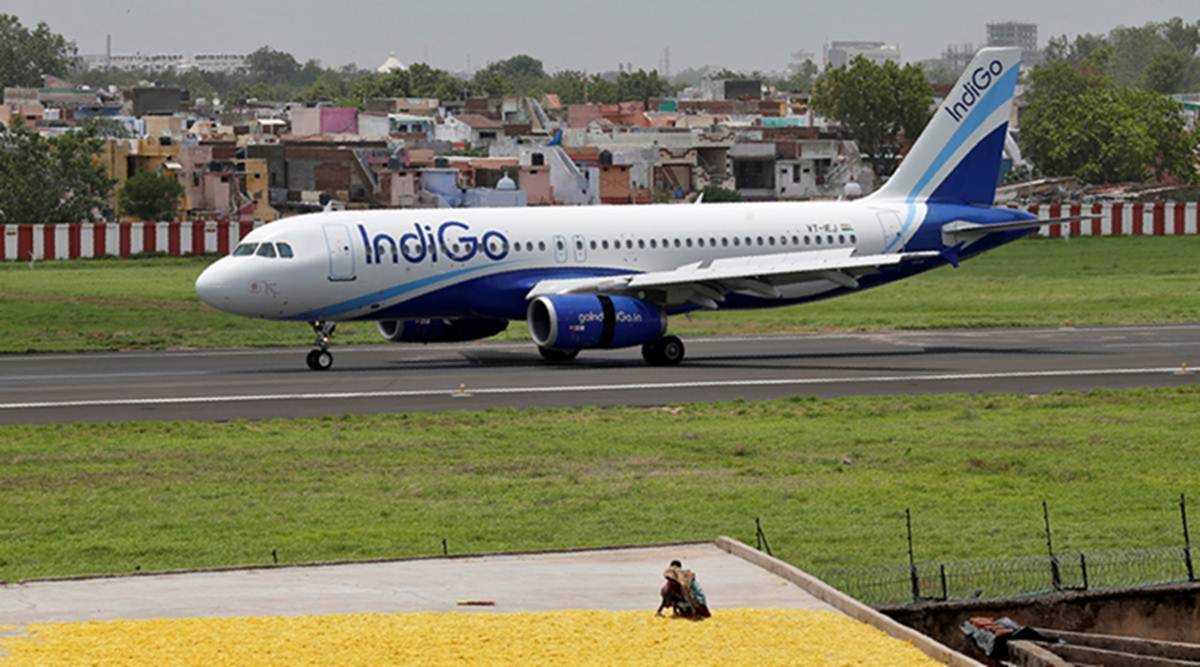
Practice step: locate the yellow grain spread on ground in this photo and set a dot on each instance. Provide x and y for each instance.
(730, 637)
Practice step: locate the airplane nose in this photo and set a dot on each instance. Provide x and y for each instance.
(211, 290)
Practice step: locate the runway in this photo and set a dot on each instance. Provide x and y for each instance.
(263, 383)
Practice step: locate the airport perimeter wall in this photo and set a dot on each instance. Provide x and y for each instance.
(125, 239)
(120, 239)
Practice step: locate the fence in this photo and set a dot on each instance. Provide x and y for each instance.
(1121, 219)
(1009, 577)
(120, 239)
(70, 241)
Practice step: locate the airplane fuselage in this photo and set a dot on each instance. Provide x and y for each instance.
(454, 263)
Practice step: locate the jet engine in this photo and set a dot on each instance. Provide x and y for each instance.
(587, 321)
(439, 330)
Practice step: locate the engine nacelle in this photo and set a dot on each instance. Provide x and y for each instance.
(439, 330)
(587, 321)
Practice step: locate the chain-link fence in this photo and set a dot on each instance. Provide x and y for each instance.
(1009, 577)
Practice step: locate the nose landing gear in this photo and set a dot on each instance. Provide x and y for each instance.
(320, 358)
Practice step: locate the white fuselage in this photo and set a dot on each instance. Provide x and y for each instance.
(337, 274)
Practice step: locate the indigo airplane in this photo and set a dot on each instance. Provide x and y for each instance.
(610, 277)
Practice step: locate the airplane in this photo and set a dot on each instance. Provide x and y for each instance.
(606, 277)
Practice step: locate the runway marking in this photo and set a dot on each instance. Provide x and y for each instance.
(642, 386)
(700, 340)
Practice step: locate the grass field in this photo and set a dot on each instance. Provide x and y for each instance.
(150, 303)
(830, 479)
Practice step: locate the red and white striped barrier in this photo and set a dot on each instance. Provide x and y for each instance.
(120, 239)
(123, 239)
(1122, 219)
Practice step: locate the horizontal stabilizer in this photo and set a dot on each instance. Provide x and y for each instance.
(957, 232)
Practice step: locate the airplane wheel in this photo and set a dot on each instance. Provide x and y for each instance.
(557, 356)
(666, 351)
(320, 360)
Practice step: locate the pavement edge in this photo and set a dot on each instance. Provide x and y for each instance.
(844, 603)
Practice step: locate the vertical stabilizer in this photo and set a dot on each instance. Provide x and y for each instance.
(957, 158)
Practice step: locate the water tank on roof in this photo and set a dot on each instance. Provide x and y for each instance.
(852, 190)
(606, 157)
(506, 183)
(441, 163)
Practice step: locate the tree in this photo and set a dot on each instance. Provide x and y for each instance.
(50, 180)
(640, 86)
(266, 65)
(1167, 72)
(26, 55)
(876, 104)
(149, 196)
(1081, 124)
(801, 79)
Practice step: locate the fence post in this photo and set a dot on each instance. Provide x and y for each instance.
(945, 592)
(761, 537)
(1083, 569)
(1055, 574)
(912, 565)
(1187, 539)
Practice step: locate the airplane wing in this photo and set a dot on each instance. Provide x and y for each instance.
(706, 283)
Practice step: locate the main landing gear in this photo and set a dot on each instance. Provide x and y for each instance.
(666, 351)
(320, 359)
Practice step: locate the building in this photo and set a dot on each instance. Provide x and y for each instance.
(840, 54)
(1014, 33)
(224, 63)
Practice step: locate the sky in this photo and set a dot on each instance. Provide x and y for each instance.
(593, 36)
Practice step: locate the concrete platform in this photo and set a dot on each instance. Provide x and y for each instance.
(609, 579)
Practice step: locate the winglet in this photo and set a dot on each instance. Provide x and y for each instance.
(556, 140)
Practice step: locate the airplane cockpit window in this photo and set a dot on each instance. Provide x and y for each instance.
(285, 250)
(266, 250)
(244, 249)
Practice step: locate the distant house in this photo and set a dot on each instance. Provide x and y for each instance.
(474, 129)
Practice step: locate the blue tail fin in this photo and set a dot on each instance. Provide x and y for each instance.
(957, 158)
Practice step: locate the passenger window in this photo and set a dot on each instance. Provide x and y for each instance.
(629, 244)
(818, 240)
(266, 250)
(579, 245)
(641, 244)
(244, 249)
(770, 240)
(285, 250)
(841, 239)
(700, 241)
(737, 241)
(760, 242)
(677, 243)
(604, 244)
(653, 243)
(807, 240)
(593, 245)
(830, 239)
(749, 241)
(542, 245)
(795, 240)
(724, 242)
(689, 243)
(853, 238)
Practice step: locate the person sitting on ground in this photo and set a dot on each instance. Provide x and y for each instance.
(682, 593)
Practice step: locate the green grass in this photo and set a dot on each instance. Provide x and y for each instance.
(150, 303)
(830, 479)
